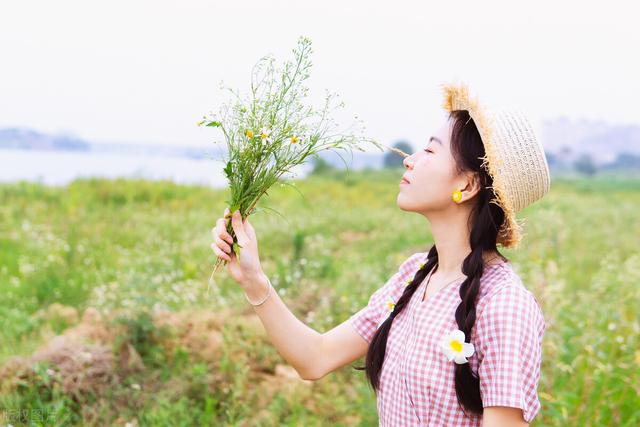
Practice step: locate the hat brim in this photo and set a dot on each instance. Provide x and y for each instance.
(456, 97)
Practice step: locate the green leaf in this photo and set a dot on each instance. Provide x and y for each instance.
(228, 170)
(234, 208)
(214, 124)
(236, 250)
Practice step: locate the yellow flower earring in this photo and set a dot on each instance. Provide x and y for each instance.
(457, 196)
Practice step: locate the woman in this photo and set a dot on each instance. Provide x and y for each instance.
(453, 338)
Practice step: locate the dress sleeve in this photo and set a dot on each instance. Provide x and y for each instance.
(510, 330)
(366, 321)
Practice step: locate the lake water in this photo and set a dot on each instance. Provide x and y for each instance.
(61, 167)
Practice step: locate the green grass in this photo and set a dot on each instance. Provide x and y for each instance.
(111, 244)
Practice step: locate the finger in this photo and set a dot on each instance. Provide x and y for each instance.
(219, 252)
(251, 232)
(222, 244)
(238, 228)
(221, 230)
(215, 231)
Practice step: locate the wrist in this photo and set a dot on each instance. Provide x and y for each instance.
(256, 289)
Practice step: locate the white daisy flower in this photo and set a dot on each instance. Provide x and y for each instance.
(265, 136)
(296, 141)
(455, 348)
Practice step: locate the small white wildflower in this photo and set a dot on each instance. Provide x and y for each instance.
(265, 136)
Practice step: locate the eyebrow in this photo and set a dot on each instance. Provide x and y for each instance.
(433, 138)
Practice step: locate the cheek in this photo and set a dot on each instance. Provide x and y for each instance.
(433, 179)
(431, 171)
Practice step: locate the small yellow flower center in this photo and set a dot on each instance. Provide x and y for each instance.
(391, 305)
(264, 135)
(294, 139)
(456, 346)
(249, 133)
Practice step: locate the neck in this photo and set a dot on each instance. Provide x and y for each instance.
(451, 237)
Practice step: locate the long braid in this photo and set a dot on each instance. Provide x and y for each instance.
(486, 218)
(378, 345)
(466, 383)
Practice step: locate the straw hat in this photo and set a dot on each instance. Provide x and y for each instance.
(514, 158)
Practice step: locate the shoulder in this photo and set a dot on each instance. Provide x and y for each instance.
(409, 267)
(413, 262)
(367, 320)
(507, 300)
(395, 285)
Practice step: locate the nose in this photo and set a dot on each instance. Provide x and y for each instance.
(407, 161)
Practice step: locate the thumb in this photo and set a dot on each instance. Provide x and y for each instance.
(251, 233)
(238, 228)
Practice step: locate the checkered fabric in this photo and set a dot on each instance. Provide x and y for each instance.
(417, 380)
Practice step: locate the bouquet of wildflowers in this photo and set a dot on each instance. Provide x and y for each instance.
(272, 130)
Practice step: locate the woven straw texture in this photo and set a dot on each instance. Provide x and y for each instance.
(514, 158)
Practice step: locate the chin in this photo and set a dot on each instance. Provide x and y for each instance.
(408, 204)
(402, 204)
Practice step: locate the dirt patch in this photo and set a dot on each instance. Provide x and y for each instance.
(83, 358)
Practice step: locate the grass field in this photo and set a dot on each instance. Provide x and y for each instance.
(118, 271)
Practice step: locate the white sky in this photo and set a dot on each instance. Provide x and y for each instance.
(146, 71)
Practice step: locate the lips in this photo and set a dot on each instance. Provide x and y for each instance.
(404, 180)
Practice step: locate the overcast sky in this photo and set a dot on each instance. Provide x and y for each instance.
(146, 71)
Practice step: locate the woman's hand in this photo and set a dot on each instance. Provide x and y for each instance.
(247, 270)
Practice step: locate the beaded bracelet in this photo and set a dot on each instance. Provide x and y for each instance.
(265, 298)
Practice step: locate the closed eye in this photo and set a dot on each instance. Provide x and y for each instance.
(428, 151)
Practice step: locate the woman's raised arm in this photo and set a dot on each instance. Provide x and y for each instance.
(310, 353)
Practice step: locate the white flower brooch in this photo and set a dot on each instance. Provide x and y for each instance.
(455, 348)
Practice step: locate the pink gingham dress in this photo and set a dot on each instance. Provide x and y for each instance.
(417, 380)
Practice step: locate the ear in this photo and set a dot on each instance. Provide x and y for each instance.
(472, 187)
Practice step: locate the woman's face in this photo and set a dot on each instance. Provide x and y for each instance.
(431, 174)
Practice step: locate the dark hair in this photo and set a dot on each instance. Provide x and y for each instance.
(485, 220)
